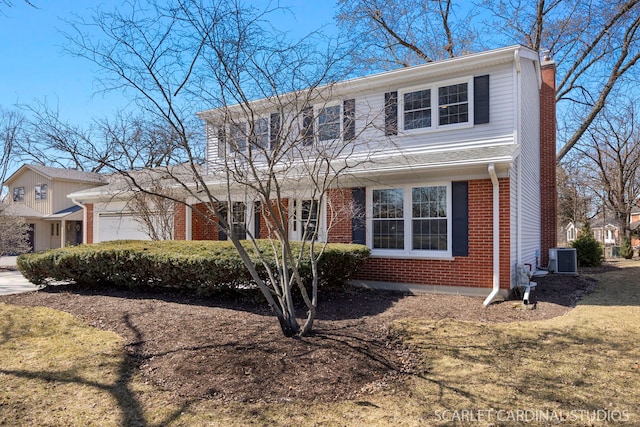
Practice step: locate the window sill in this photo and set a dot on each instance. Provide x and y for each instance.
(411, 255)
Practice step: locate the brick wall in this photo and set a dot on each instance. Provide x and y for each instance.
(339, 215)
(180, 222)
(89, 224)
(548, 190)
(204, 225)
(270, 217)
(475, 270)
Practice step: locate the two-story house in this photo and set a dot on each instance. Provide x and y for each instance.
(39, 194)
(458, 187)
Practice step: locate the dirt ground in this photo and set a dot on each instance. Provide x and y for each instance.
(231, 347)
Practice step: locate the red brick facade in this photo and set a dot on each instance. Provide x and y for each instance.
(475, 270)
(548, 191)
(204, 224)
(180, 222)
(267, 223)
(89, 225)
(339, 214)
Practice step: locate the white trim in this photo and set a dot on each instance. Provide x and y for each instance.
(408, 252)
(435, 115)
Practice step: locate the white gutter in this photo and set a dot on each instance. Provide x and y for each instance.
(84, 220)
(496, 236)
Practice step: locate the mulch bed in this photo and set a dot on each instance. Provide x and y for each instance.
(231, 347)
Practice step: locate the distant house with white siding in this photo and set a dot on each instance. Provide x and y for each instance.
(39, 194)
(460, 191)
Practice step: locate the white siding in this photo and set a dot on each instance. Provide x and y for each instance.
(370, 117)
(529, 138)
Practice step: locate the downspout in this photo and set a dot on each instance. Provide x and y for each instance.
(84, 220)
(496, 236)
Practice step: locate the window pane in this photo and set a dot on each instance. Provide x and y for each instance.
(388, 232)
(453, 104)
(238, 220)
(329, 123)
(417, 109)
(388, 203)
(238, 137)
(261, 133)
(429, 210)
(309, 219)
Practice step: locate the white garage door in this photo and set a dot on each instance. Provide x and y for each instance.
(119, 226)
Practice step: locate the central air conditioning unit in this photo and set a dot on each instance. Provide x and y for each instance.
(563, 261)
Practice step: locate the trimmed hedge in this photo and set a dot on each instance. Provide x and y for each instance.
(201, 266)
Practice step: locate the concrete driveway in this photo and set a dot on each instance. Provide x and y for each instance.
(12, 282)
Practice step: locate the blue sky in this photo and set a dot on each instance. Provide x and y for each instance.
(34, 67)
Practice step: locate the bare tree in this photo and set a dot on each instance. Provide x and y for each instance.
(577, 199)
(11, 129)
(14, 230)
(595, 44)
(613, 155)
(155, 211)
(405, 33)
(177, 57)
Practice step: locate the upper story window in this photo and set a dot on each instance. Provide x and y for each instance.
(238, 134)
(453, 104)
(329, 123)
(263, 133)
(460, 103)
(18, 194)
(41, 192)
(417, 109)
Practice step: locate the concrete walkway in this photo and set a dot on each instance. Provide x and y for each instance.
(12, 282)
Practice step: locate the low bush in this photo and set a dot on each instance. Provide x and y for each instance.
(203, 267)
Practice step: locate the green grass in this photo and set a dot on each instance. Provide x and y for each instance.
(583, 366)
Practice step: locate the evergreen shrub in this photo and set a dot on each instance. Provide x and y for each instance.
(626, 250)
(202, 267)
(589, 250)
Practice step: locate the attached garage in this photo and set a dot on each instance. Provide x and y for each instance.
(119, 226)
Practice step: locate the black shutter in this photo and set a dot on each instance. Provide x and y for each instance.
(358, 223)
(391, 113)
(307, 126)
(481, 99)
(222, 209)
(274, 135)
(460, 218)
(349, 119)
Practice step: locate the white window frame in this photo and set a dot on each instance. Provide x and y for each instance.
(408, 251)
(38, 193)
(435, 107)
(18, 191)
(318, 111)
(295, 219)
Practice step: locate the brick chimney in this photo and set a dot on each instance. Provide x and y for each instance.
(548, 190)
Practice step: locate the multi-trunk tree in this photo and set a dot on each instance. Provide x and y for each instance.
(176, 58)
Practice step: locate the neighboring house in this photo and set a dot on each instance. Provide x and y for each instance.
(463, 148)
(609, 235)
(39, 194)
